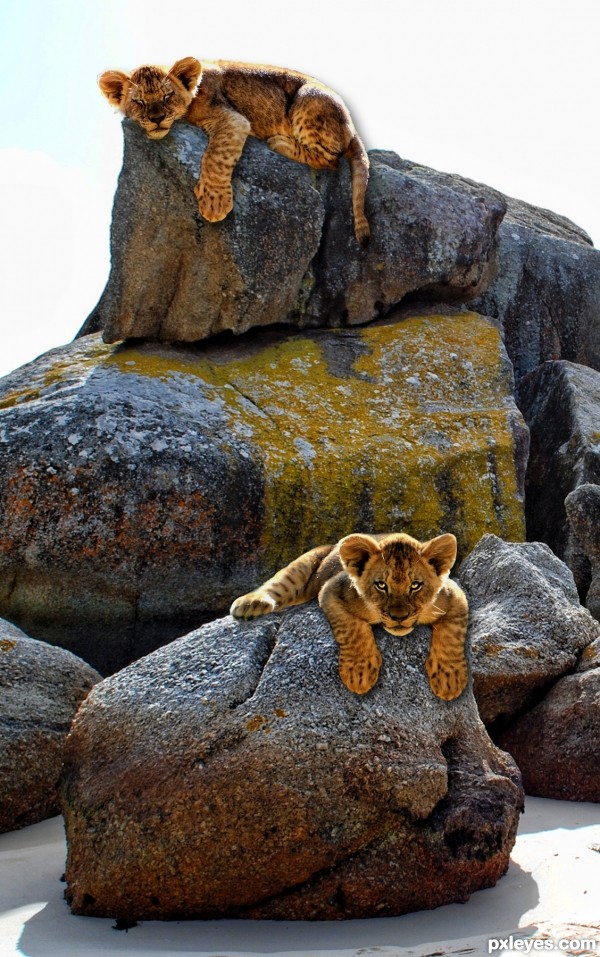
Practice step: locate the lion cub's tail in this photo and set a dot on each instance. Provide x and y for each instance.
(356, 155)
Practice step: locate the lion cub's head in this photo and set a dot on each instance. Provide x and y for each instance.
(151, 96)
(399, 575)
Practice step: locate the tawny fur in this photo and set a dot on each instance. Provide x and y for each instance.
(294, 114)
(390, 580)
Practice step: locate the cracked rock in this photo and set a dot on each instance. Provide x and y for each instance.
(546, 289)
(232, 774)
(287, 252)
(561, 405)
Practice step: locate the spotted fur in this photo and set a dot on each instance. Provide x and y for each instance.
(390, 580)
(294, 114)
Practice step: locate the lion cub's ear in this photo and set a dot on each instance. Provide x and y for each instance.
(440, 552)
(355, 551)
(187, 71)
(113, 84)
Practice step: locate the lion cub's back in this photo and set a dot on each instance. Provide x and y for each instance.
(261, 93)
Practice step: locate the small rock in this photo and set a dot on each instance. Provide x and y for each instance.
(561, 405)
(41, 688)
(556, 743)
(526, 625)
(583, 512)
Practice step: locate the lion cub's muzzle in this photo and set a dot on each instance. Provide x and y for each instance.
(154, 124)
(158, 132)
(398, 624)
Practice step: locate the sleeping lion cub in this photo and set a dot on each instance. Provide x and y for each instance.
(391, 580)
(294, 114)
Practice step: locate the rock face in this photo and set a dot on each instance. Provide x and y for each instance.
(556, 744)
(561, 404)
(287, 253)
(582, 507)
(526, 625)
(42, 688)
(546, 291)
(142, 488)
(231, 773)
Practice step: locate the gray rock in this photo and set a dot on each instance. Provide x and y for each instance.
(556, 743)
(41, 688)
(561, 405)
(582, 507)
(526, 625)
(547, 289)
(232, 774)
(287, 252)
(143, 488)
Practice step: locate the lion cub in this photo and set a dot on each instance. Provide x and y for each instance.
(391, 580)
(294, 114)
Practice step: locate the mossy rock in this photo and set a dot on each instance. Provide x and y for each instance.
(144, 486)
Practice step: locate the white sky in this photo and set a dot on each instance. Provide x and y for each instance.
(502, 91)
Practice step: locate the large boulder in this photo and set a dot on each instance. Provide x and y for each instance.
(143, 487)
(42, 687)
(526, 625)
(287, 252)
(561, 404)
(546, 292)
(232, 774)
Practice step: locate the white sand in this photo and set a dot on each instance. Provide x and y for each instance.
(552, 888)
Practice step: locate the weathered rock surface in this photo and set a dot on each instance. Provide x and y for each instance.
(231, 773)
(41, 688)
(547, 289)
(556, 744)
(287, 253)
(142, 488)
(526, 625)
(561, 404)
(582, 507)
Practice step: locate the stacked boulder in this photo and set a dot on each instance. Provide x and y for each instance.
(246, 390)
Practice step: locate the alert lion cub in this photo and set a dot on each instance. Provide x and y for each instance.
(391, 580)
(294, 114)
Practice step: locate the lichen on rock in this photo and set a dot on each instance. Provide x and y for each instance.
(144, 486)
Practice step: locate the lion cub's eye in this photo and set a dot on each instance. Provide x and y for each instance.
(415, 586)
(380, 585)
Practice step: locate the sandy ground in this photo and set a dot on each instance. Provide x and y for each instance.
(551, 892)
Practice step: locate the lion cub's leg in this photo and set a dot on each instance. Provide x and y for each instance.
(359, 656)
(289, 146)
(446, 664)
(227, 133)
(293, 585)
(321, 126)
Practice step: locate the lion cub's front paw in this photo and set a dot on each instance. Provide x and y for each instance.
(447, 681)
(213, 205)
(252, 606)
(360, 674)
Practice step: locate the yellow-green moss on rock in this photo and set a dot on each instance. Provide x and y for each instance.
(144, 486)
(415, 432)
